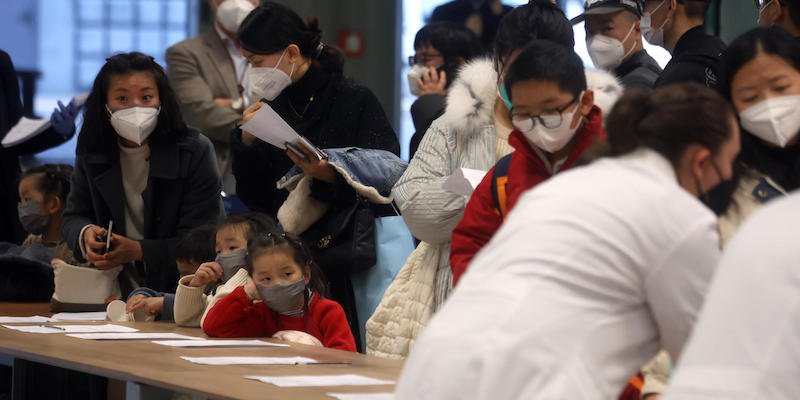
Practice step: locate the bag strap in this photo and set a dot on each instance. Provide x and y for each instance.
(499, 184)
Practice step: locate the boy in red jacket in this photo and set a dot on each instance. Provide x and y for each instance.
(555, 122)
(283, 299)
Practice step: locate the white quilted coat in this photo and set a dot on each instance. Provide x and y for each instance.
(463, 137)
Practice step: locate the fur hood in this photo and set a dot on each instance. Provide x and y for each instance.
(471, 97)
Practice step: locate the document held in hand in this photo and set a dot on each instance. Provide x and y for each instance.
(268, 126)
(463, 181)
(27, 128)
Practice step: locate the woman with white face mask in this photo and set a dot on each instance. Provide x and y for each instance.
(141, 167)
(763, 83)
(301, 79)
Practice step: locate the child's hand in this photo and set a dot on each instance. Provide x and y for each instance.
(251, 290)
(297, 337)
(152, 305)
(207, 272)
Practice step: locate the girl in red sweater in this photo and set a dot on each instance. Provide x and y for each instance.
(284, 299)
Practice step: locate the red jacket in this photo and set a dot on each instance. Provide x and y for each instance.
(482, 219)
(235, 315)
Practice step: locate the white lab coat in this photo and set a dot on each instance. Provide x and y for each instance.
(746, 344)
(593, 272)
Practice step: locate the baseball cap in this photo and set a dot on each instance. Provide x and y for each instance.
(599, 7)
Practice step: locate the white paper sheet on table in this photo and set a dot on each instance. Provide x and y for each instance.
(218, 343)
(320, 380)
(463, 181)
(249, 360)
(52, 328)
(15, 320)
(133, 336)
(80, 316)
(361, 396)
(268, 126)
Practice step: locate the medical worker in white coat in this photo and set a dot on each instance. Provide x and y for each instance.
(593, 271)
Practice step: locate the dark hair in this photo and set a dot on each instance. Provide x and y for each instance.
(669, 120)
(281, 241)
(451, 39)
(539, 19)
(197, 244)
(51, 179)
(547, 61)
(252, 223)
(95, 134)
(271, 27)
(772, 40)
(794, 10)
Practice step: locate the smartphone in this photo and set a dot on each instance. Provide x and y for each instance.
(294, 149)
(106, 238)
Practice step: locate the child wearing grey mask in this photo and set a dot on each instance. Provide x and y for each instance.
(284, 298)
(197, 292)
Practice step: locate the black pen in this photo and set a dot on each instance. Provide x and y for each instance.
(53, 327)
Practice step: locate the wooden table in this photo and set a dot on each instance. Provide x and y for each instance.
(146, 363)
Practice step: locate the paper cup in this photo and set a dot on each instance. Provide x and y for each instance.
(116, 311)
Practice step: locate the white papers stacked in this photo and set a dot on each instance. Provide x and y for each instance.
(361, 396)
(80, 316)
(70, 328)
(133, 336)
(249, 360)
(218, 343)
(320, 380)
(16, 320)
(463, 181)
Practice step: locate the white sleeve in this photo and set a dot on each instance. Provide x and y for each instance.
(80, 241)
(676, 288)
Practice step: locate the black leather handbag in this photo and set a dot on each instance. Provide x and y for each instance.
(344, 238)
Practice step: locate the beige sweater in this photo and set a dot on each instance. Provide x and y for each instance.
(192, 304)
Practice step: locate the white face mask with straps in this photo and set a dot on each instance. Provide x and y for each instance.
(608, 53)
(775, 120)
(231, 13)
(270, 82)
(135, 123)
(654, 36)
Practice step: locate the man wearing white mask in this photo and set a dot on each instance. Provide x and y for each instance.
(210, 77)
(614, 40)
(677, 26)
(784, 13)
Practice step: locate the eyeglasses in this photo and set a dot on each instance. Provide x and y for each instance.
(762, 3)
(549, 119)
(422, 58)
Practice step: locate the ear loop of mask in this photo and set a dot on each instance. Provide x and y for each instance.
(626, 38)
(704, 195)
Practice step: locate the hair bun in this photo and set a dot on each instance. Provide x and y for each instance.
(314, 30)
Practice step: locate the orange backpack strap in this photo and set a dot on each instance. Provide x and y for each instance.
(499, 185)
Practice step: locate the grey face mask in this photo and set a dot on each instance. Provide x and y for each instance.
(29, 217)
(231, 263)
(282, 297)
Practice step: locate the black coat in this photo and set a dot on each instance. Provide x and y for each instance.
(341, 114)
(696, 58)
(182, 193)
(10, 113)
(424, 111)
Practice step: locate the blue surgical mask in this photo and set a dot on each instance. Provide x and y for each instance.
(504, 95)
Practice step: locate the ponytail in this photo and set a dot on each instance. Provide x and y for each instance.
(669, 120)
(271, 27)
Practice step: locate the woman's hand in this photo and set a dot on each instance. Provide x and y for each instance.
(247, 115)
(207, 272)
(92, 245)
(432, 82)
(123, 250)
(319, 169)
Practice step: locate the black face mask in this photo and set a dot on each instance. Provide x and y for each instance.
(719, 198)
